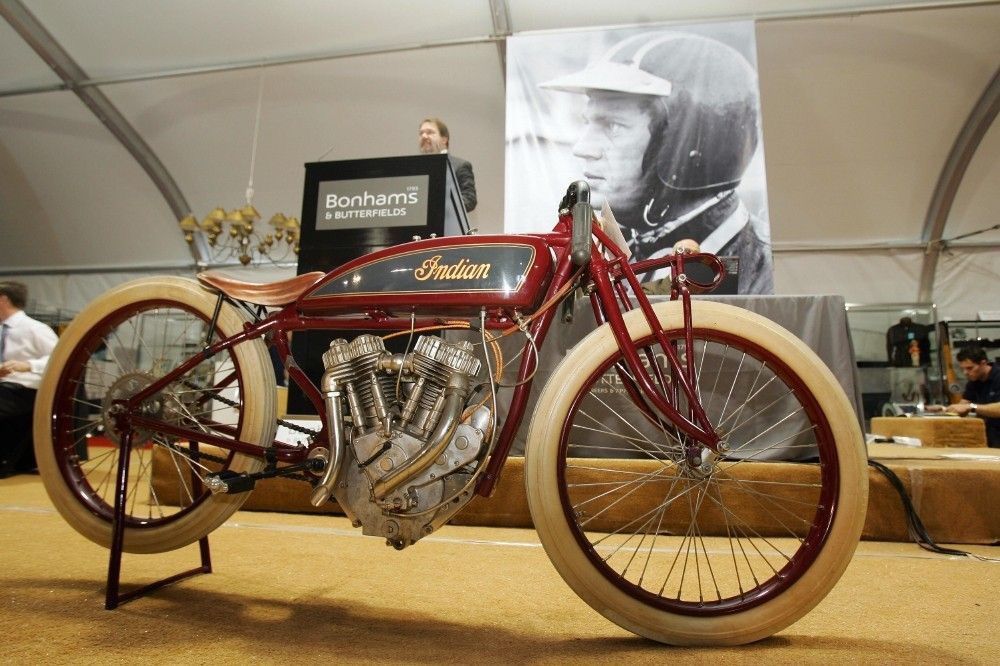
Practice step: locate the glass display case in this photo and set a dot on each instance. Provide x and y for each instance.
(897, 355)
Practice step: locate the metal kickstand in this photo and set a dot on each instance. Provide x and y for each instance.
(113, 596)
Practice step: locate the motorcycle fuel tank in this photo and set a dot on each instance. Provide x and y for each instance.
(451, 274)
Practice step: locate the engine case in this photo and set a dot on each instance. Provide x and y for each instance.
(395, 404)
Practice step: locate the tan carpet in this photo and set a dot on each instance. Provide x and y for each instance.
(309, 589)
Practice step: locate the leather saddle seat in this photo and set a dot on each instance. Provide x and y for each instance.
(269, 294)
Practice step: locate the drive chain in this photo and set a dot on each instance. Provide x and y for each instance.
(232, 403)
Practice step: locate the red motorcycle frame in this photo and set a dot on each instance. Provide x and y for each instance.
(708, 392)
(607, 274)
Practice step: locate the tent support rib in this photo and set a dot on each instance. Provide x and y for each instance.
(966, 143)
(72, 75)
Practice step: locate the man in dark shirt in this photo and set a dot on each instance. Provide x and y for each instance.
(982, 392)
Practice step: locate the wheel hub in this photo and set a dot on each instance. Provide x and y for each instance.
(124, 388)
(702, 462)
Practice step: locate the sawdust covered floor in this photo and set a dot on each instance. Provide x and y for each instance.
(310, 589)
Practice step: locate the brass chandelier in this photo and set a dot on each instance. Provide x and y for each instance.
(231, 235)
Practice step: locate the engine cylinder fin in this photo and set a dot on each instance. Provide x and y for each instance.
(337, 360)
(439, 359)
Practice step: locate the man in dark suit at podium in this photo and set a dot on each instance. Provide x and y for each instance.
(434, 139)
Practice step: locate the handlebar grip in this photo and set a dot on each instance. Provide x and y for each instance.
(583, 215)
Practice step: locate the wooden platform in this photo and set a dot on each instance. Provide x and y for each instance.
(956, 493)
(934, 431)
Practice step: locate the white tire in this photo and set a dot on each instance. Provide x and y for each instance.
(121, 341)
(724, 553)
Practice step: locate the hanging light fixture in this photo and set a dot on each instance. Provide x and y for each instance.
(232, 234)
(235, 235)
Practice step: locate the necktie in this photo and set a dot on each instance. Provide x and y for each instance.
(3, 341)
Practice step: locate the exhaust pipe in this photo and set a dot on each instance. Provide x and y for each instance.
(335, 431)
(454, 401)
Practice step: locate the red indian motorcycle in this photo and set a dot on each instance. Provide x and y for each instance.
(694, 472)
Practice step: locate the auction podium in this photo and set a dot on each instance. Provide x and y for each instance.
(353, 207)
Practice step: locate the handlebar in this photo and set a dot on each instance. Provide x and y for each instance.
(577, 199)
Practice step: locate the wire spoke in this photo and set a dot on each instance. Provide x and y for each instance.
(698, 528)
(135, 344)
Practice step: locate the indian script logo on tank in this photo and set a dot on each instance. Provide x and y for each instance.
(433, 269)
(439, 269)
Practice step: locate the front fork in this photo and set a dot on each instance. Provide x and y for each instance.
(647, 385)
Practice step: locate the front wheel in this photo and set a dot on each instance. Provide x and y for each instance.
(693, 547)
(122, 342)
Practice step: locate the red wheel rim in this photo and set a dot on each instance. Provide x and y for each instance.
(64, 417)
(811, 545)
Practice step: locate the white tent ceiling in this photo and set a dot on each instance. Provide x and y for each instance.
(861, 112)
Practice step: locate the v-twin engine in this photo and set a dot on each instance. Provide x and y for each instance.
(412, 442)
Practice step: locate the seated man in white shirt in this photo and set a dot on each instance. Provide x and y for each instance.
(25, 345)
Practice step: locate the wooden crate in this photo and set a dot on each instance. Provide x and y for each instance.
(934, 431)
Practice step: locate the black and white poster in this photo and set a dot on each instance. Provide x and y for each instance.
(663, 123)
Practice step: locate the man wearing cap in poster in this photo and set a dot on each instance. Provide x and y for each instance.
(671, 126)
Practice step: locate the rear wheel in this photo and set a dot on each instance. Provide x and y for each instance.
(687, 546)
(122, 342)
